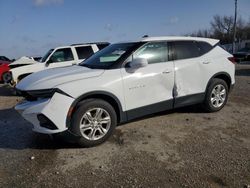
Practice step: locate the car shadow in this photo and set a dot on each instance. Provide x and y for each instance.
(6, 90)
(16, 133)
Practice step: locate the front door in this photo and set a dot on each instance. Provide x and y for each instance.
(61, 58)
(149, 89)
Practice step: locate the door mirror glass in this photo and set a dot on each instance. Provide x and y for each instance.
(137, 63)
(48, 62)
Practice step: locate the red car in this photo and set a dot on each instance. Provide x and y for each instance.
(4, 69)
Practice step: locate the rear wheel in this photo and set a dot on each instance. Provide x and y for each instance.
(94, 121)
(216, 95)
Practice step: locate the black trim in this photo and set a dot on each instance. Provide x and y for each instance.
(123, 115)
(189, 100)
(150, 109)
(219, 74)
(33, 95)
(126, 116)
(17, 65)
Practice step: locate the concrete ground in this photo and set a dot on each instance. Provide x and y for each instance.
(180, 148)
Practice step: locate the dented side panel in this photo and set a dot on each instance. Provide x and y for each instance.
(192, 75)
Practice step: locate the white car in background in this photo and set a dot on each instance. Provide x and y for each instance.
(125, 81)
(22, 61)
(58, 57)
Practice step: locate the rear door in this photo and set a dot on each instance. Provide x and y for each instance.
(83, 52)
(149, 89)
(190, 73)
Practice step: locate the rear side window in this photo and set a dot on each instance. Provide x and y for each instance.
(154, 52)
(204, 47)
(186, 50)
(101, 46)
(84, 52)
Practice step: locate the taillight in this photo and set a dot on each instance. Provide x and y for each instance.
(232, 59)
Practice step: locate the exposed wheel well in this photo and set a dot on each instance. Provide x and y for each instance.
(224, 77)
(106, 98)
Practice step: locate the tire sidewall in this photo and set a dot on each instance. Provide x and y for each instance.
(4, 75)
(81, 109)
(208, 105)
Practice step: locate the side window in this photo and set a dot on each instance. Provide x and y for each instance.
(154, 52)
(84, 52)
(101, 46)
(186, 49)
(204, 47)
(61, 55)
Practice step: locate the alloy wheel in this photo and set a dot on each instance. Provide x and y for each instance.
(218, 96)
(95, 123)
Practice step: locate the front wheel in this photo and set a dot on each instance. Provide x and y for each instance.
(216, 95)
(94, 122)
(6, 77)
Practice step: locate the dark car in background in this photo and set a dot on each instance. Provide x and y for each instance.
(3, 58)
(242, 55)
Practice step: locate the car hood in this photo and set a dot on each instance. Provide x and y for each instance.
(51, 78)
(24, 60)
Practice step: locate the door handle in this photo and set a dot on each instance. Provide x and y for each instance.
(205, 62)
(166, 71)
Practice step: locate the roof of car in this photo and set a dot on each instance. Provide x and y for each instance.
(81, 44)
(89, 43)
(180, 38)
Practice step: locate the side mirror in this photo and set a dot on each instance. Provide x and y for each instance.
(48, 62)
(137, 63)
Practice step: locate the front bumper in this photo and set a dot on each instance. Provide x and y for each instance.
(55, 109)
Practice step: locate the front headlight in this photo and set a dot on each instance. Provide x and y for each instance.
(44, 93)
(33, 95)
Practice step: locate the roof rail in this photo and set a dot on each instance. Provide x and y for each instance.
(90, 43)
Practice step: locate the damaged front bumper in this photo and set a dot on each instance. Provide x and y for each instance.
(47, 115)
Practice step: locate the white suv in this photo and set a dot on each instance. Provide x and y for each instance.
(58, 57)
(126, 81)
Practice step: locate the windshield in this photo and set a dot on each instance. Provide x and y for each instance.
(109, 56)
(46, 56)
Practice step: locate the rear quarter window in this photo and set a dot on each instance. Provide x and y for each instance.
(204, 47)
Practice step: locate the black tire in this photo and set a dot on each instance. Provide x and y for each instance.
(208, 105)
(82, 108)
(6, 77)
